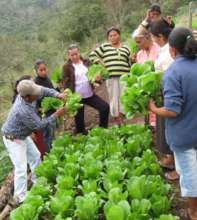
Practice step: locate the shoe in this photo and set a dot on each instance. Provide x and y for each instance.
(172, 175)
(167, 162)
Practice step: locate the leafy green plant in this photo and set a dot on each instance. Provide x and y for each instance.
(117, 211)
(73, 102)
(57, 75)
(41, 188)
(142, 84)
(97, 70)
(168, 217)
(87, 206)
(133, 46)
(30, 210)
(51, 104)
(62, 204)
(110, 173)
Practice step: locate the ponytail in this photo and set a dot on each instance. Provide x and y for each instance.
(190, 49)
(183, 40)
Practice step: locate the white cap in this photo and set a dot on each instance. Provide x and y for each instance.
(28, 87)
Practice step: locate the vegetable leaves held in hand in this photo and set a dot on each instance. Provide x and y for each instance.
(133, 46)
(72, 102)
(51, 104)
(142, 84)
(97, 70)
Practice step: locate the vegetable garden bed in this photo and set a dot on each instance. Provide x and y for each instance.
(110, 174)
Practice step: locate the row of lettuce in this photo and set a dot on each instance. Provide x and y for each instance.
(109, 174)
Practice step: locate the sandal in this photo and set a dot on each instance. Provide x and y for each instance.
(172, 175)
(166, 162)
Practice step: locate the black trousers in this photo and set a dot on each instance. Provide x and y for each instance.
(97, 103)
(161, 144)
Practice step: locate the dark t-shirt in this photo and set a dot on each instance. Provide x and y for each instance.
(45, 82)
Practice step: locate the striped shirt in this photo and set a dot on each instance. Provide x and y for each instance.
(116, 60)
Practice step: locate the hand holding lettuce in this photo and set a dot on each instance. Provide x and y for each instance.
(97, 72)
(142, 84)
(71, 103)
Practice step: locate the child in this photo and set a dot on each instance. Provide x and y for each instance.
(42, 79)
(180, 107)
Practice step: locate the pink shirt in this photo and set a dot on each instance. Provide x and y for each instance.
(143, 56)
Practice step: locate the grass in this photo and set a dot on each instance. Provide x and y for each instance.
(5, 162)
(194, 22)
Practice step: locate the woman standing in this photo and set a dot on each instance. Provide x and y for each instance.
(75, 78)
(149, 50)
(116, 58)
(160, 31)
(180, 107)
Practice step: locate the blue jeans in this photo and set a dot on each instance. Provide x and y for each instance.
(49, 135)
(186, 166)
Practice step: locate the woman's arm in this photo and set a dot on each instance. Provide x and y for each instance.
(96, 56)
(162, 111)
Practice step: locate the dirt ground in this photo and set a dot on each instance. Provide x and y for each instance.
(91, 119)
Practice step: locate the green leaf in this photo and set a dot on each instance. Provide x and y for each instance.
(57, 75)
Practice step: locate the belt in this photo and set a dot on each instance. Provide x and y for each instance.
(10, 137)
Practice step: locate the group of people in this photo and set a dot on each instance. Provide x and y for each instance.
(174, 51)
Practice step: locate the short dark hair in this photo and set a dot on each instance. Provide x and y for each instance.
(38, 63)
(16, 84)
(161, 27)
(183, 40)
(72, 46)
(113, 29)
(155, 7)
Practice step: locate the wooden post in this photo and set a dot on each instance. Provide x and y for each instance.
(190, 15)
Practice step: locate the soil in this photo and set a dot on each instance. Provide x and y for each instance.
(91, 120)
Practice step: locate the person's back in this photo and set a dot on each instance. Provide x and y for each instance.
(15, 124)
(182, 76)
(22, 119)
(180, 107)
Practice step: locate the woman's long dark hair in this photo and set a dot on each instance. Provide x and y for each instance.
(161, 27)
(183, 40)
(16, 84)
